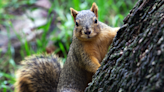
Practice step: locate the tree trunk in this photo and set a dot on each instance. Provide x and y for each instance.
(135, 62)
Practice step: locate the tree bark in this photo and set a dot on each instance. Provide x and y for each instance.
(135, 62)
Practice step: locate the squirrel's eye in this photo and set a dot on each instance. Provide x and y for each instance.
(95, 20)
(77, 24)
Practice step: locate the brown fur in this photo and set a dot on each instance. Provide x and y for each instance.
(38, 74)
(94, 9)
(86, 51)
(90, 42)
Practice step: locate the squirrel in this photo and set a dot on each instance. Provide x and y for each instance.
(90, 43)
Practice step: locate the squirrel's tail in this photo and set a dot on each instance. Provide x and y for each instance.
(38, 74)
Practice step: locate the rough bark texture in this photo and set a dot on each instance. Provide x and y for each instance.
(135, 62)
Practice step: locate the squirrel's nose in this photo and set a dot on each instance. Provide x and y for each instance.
(87, 32)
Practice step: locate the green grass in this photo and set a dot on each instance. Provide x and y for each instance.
(111, 12)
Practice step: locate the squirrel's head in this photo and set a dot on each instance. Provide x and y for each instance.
(86, 23)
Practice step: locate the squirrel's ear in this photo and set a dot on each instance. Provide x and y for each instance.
(73, 13)
(94, 9)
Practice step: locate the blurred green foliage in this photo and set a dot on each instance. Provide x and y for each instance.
(111, 12)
